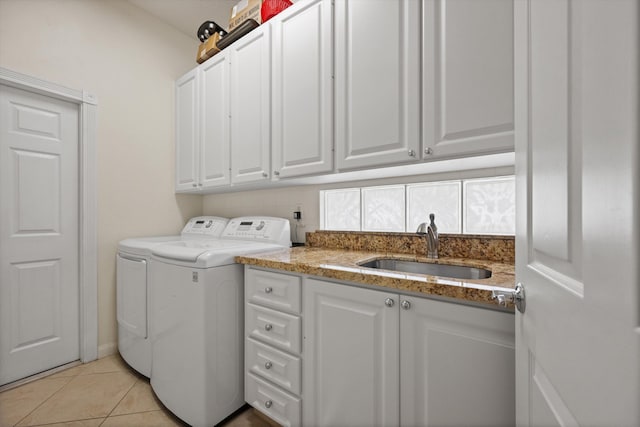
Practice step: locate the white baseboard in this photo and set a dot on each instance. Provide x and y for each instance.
(108, 349)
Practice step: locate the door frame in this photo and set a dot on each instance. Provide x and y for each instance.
(87, 200)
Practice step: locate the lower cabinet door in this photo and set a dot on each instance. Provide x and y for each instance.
(351, 366)
(457, 365)
(276, 404)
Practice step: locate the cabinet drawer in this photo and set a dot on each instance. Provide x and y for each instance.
(273, 327)
(274, 365)
(279, 291)
(278, 405)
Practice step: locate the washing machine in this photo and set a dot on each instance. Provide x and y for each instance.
(198, 318)
(133, 288)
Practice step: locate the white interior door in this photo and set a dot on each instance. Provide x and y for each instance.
(577, 158)
(39, 296)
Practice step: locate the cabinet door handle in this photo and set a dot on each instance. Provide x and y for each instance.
(268, 327)
(268, 404)
(264, 174)
(268, 290)
(389, 302)
(276, 173)
(405, 304)
(268, 365)
(194, 185)
(412, 153)
(428, 151)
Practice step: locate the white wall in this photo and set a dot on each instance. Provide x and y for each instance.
(282, 202)
(129, 60)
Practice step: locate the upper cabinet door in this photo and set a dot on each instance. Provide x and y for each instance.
(303, 90)
(250, 106)
(187, 132)
(467, 77)
(214, 126)
(377, 82)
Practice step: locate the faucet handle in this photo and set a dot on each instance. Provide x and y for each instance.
(422, 228)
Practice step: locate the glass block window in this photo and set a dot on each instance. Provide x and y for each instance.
(489, 206)
(383, 208)
(340, 209)
(441, 198)
(474, 206)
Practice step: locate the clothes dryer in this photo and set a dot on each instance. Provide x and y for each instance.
(133, 288)
(198, 318)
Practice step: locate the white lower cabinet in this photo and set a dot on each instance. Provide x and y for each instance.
(351, 367)
(457, 365)
(273, 343)
(375, 358)
(281, 407)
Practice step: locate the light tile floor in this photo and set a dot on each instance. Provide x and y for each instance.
(105, 393)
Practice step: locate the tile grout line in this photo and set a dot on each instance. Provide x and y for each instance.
(64, 422)
(45, 400)
(127, 415)
(71, 378)
(119, 401)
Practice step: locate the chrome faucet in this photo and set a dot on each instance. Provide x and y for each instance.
(431, 232)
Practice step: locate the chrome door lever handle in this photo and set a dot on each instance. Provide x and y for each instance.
(515, 296)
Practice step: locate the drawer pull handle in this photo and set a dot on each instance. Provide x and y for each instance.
(268, 327)
(268, 404)
(268, 290)
(268, 365)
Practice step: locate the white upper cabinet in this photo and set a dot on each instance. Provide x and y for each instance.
(251, 106)
(377, 80)
(214, 123)
(467, 77)
(303, 90)
(187, 131)
(333, 86)
(202, 126)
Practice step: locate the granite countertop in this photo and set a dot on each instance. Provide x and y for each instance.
(342, 264)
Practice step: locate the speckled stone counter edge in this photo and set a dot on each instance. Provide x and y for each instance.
(343, 265)
(491, 248)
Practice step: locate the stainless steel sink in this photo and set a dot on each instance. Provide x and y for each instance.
(444, 270)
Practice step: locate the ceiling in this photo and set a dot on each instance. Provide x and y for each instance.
(187, 15)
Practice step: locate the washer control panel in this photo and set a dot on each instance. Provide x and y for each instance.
(265, 229)
(204, 227)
